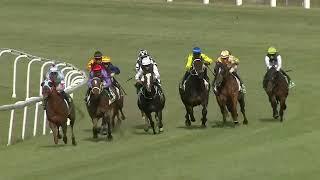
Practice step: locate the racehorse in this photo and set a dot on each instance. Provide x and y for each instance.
(58, 111)
(151, 99)
(99, 107)
(276, 87)
(228, 93)
(195, 91)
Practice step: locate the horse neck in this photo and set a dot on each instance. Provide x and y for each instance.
(195, 82)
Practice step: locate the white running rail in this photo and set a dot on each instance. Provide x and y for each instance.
(74, 78)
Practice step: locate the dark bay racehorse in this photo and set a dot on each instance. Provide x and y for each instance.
(99, 107)
(58, 111)
(195, 92)
(276, 87)
(228, 94)
(151, 99)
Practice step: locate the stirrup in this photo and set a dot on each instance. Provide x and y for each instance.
(292, 84)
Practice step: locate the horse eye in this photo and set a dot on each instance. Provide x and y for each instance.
(50, 84)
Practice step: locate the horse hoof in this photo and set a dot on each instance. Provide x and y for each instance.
(188, 123)
(203, 126)
(161, 130)
(245, 122)
(65, 140)
(109, 137)
(236, 123)
(193, 120)
(276, 116)
(146, 129)
(74, 142)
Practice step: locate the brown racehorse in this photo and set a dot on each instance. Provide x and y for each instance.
(276, 87)
(195, 92)
(228, 94)
(99, 106)
(58, 112)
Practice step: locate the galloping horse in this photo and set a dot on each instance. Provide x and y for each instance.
(58, 111)
(276, 87)
(228, 93)
(151, 99)
(194, 92)
(99, 107)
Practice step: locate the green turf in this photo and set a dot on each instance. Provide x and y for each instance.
(73, 29)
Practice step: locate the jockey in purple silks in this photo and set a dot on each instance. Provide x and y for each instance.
(106, 78)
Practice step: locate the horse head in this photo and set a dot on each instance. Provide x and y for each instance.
(148, 80)
(97, 86)
(47, 88)
(221, 71)
(198, 67)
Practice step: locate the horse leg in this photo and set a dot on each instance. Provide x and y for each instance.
(234, 112)
(204, 115)
(283, 107)
(242, 107)
(54, 129)
(222, 105)
(72, 120)
(151, 122)
(59, 135)
(123, 117)
(273, 102)
(159, 117)
(64, 131)
(190, 109)
(95, 128)
(108, 120)
(145, 119)
(187, 122)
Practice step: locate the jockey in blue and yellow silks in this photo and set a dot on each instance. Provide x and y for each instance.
(196, 54)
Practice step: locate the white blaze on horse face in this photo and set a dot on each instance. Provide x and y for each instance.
(95, 86)
(148, 77)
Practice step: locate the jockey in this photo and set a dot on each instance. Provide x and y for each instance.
(196, 54)
(147, 65)
(106, 64)
(232, 63)
(98, 71)
(273, 58)
(143, 53)
(57, 77)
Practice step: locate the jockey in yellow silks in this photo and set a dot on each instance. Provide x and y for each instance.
(232, 63)
(196, 54)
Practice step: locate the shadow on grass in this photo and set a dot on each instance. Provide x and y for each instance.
(192, 127)
(55, 145)
(269, 120)
(228, 124)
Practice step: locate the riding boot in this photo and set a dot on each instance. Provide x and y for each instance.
(243, 88)
(66, 96)
(138, 87)
(291, 83)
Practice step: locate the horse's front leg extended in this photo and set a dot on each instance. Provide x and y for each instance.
(151, 122)
(107, 119)
(204, 115)
(54, 129)
(95, 128)
(274, 105)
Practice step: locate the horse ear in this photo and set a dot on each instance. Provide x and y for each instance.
(42, 84)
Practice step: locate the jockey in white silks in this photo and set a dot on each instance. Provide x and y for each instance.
(57, 78)
(147, 65)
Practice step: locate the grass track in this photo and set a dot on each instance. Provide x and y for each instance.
(73, 29)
